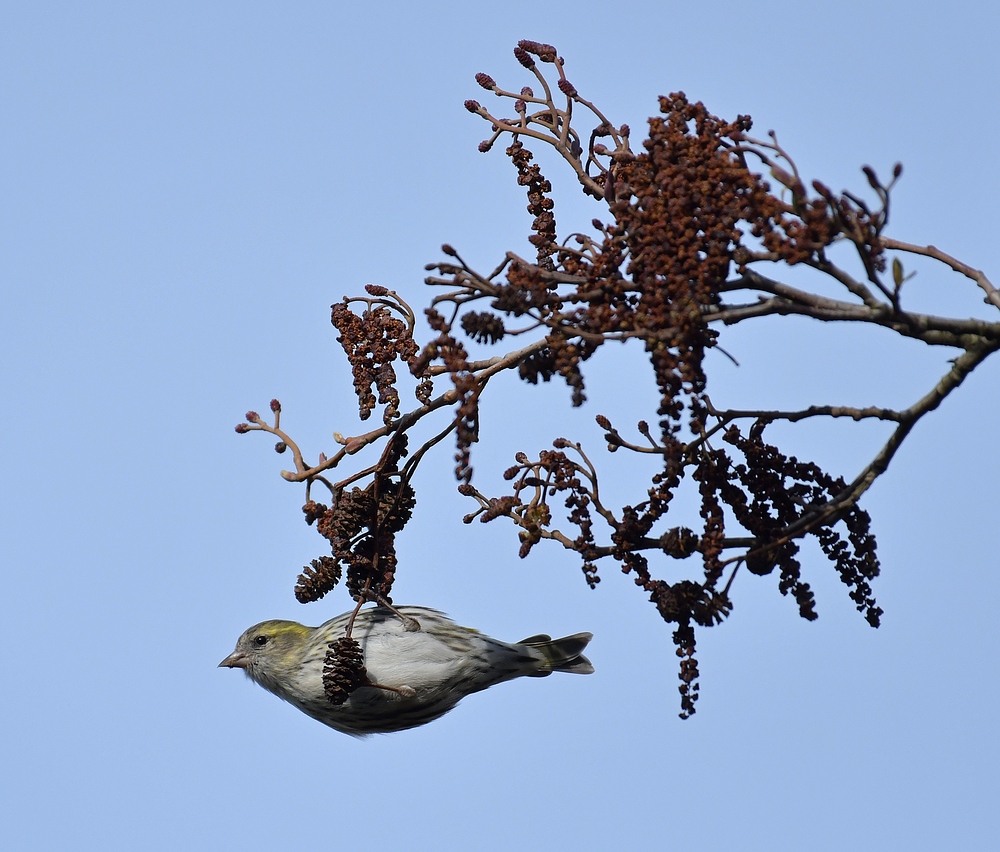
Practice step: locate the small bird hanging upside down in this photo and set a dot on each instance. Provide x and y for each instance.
(419, 665)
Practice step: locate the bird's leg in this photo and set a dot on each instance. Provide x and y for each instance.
(403, 691)
(410, 624)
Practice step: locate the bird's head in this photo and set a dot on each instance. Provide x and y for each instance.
(270, 652)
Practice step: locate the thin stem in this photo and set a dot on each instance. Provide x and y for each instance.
(977, 275)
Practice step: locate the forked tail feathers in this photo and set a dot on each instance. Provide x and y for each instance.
(562, 655)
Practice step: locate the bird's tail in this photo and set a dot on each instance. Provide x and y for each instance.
(561, 655)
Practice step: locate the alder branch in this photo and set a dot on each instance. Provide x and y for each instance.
(689, 229)
(977, 275)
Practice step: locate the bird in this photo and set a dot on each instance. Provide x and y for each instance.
(419, 664)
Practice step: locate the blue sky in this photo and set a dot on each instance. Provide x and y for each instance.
(187, 187)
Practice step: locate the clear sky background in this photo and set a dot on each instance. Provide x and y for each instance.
(186, 187)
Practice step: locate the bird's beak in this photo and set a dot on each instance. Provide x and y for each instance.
(236, 660)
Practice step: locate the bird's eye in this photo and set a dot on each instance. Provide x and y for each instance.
(260, 641)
